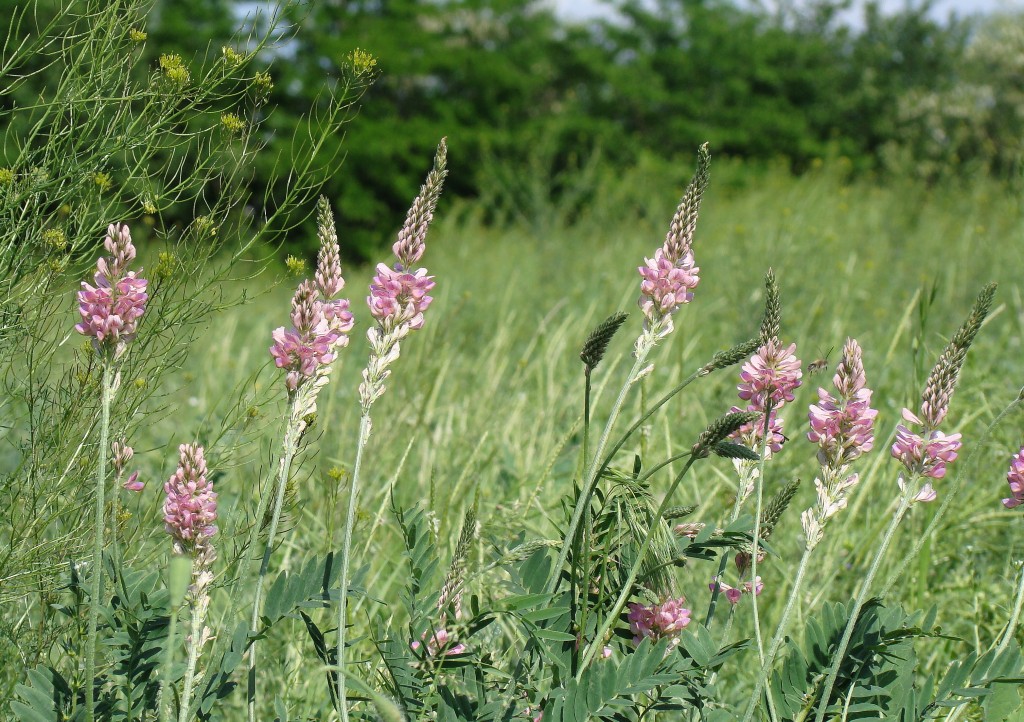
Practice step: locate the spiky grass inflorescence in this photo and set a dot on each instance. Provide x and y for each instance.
(596, 345)
(679, 512)
(679, 238)
(719, 429)
(771, 324)
(776, 507)
(732, 356)
(941, 382)
(454, 580)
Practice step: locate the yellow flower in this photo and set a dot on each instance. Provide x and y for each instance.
(232, 123)
(361, 61)
(6, 176)
(232, 57)
(103, 180)
(295, 266)
(174, 69)
(137, 36)
(55, 238)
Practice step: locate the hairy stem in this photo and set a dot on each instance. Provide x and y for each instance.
(840, 653)
(96, 590)
(346, 546)
(780, 632)
(165, 676)
(193, 658)
(291, 440)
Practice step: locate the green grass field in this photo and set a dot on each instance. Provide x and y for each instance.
(485, 401)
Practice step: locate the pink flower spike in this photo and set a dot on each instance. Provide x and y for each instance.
(190, 509)
(773, 373)
(658, 621)
(111, 309)
(1015, 478)
(399, 298)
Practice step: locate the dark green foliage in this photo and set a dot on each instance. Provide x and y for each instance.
(597, 342)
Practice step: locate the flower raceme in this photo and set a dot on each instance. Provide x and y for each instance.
(1015, 478)
(320, 322)
(658, 621)
(668, 279)
(773, 373)
(111, 309)
(439, 642)
(926, 454)
(190, 509)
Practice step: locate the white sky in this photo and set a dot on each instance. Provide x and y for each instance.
(581, 9)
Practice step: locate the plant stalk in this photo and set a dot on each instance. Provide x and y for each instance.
(291, 439)
(346, 546)
(840, 653)
(96, 591)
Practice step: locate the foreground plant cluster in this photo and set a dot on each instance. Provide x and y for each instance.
(593, 621)
(592, 624)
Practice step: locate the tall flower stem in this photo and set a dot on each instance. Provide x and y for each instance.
(627, 587)
(193, 658)
(291, 440)
(1011, 626)
(757, 523)
(593, 473)
(905, 500)
(96, 591)
(780, 632)
(346, 547)
(165, 679)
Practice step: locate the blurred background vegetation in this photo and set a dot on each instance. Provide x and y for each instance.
(538, 109)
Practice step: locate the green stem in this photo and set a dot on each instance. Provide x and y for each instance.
(840, 653)
(96, 590)
(593, 473)
(1011, 626)
(291, 440)
(346, 546)
(724, 560)
(627, 587)
(193, 658)
(780, 632)
(165, 677)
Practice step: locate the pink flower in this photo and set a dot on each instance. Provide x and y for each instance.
(843, 427)
(132, 483)
(731, 593)
(667, 284)
(755, 587)
(1015, 477)
(751, 435)
(773, 373)
(190, 509)
(439, 642)
(318, 330)
(658, 621)
(924, 456)
(398, 297)
(111, 309)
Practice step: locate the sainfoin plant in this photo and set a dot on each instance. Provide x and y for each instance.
(625, 606)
